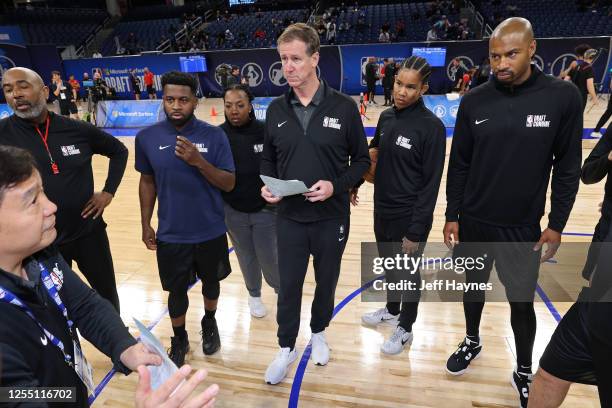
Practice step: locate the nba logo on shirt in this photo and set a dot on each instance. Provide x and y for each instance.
(537, 121)
(201, 148)
(403, 142)
(258, 148)
(70, 150)
(333, 123)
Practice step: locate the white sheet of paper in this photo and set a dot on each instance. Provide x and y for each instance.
(159, 374)
(284, 188)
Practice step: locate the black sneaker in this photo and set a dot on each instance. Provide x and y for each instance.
(179, 347)
(521, 382)
(210, 336)
(459, 361)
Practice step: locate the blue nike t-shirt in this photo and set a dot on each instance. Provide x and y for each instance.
(190, 209)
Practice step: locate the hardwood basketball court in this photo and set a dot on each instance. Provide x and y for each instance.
(358, 374)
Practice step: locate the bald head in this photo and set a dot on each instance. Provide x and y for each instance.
(25, 74)
(25, 93)
(511, 49)
(514, 26)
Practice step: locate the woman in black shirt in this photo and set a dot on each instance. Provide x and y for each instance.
(581, 73)
(250, 221)
(411, 143)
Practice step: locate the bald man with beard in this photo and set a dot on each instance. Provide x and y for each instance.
(63, 149)
(510, 135)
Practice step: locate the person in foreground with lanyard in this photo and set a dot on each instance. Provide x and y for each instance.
(43, 302)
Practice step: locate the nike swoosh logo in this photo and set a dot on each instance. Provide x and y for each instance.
(281, 124)
(44, 340)
(478, 122)
(164, 147)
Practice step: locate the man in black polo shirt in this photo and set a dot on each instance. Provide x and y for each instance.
(511, 133)
(63, 149)
(313, 134)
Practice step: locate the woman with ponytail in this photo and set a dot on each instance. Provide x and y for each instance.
(411, 144)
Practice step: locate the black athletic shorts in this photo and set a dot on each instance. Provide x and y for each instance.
(568, 355)
(510, 249)
(176, 262)
(150, 89)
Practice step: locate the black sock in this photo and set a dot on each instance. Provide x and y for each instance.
(475, 339)
(209, 314)
(179, 331)
(524, 369)
(393, 308)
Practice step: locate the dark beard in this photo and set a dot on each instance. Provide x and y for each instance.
(178, 123)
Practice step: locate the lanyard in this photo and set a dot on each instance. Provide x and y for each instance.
(44, 138)
(8, 297)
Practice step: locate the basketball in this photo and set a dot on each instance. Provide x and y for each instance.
(369, 175)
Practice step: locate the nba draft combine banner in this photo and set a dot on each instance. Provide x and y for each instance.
(341, 66)
(116, 70)
(552, 56)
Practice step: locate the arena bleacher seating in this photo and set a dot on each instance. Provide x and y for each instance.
(552, 18)
(58, 26)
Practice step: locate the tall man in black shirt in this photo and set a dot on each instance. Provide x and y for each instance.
(371, 76)
(63, 149)
(314, 134)
(510, 133)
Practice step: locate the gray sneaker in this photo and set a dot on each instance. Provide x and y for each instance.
(397, 342)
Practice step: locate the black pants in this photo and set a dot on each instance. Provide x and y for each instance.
(606, 115)
(517, 265)
(388, 90)
(389, 234)
(371, 90)
(93, 256)
(326, 241)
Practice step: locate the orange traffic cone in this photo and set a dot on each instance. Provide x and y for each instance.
(213, 112)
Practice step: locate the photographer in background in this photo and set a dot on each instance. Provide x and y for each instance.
(235, 78)
(64, 95)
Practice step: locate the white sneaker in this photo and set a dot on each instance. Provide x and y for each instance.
(277, 370)
(320, 349)
(397, 342)
(257, 308)
(379, 316)
(596, 135)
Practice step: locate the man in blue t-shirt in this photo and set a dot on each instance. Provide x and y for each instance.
(185, 162)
